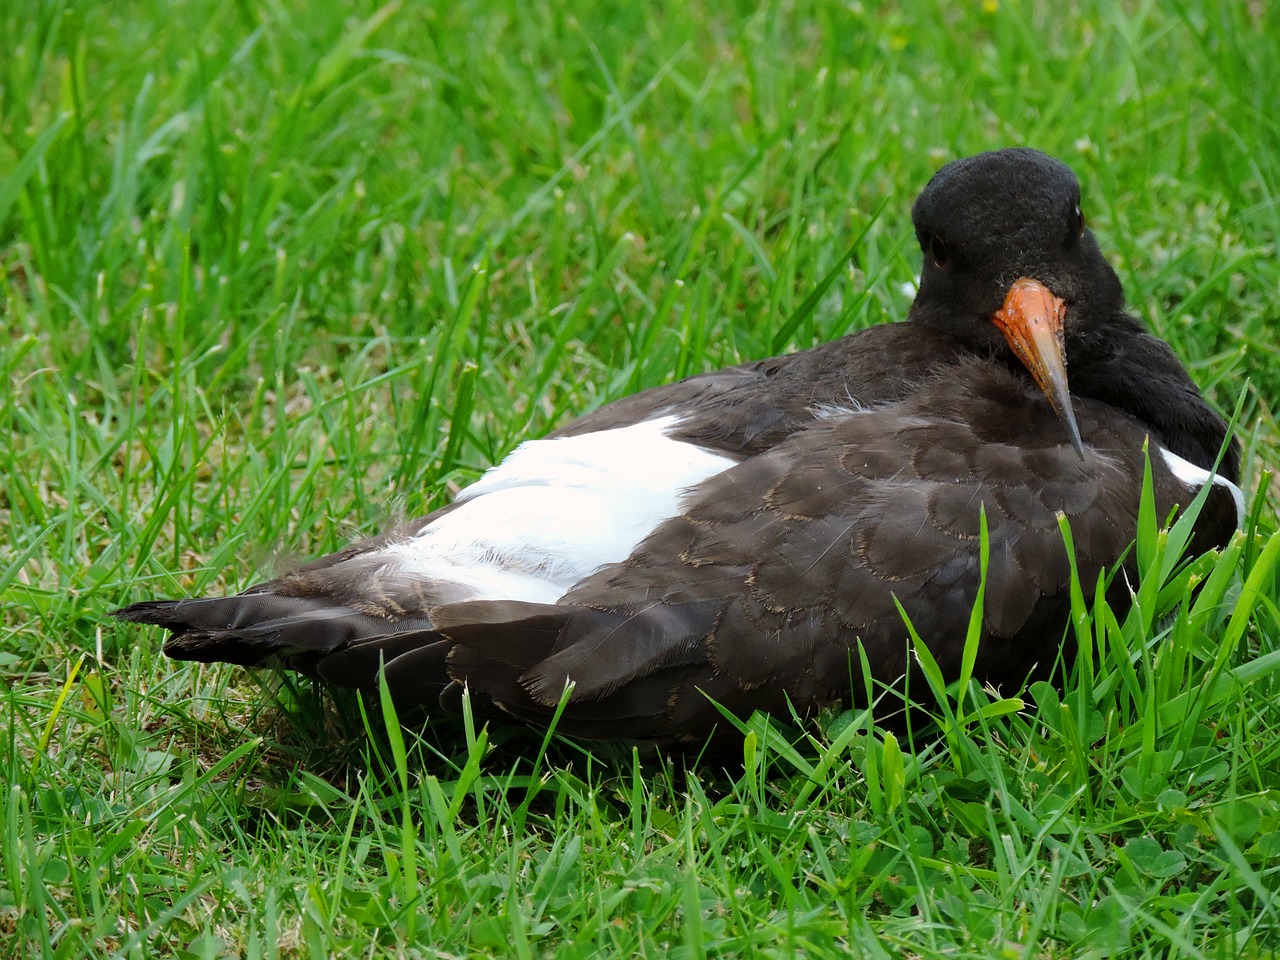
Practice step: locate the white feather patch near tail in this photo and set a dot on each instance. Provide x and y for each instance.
(557, 510)
(1196, 477)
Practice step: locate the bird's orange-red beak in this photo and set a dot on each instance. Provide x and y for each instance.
(1031, 320)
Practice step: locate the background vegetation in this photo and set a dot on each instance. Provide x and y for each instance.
(274, 272)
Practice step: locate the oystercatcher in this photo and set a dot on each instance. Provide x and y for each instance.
(742, 536)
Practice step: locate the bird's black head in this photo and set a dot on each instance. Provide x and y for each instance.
(988, 220)
(1011, 270)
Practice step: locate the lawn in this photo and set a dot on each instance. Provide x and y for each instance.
(273, 274)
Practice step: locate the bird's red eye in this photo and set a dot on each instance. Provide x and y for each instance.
(938, 251)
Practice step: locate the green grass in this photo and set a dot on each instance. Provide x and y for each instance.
(274, 273)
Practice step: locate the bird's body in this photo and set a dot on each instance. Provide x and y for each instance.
(739, 536)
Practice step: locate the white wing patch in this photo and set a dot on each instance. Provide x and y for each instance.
(1196, 477)
(834, 411)
(557, 510)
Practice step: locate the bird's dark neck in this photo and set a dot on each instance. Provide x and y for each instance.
(1140, 374)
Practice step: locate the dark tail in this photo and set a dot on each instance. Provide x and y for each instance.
(252, 627)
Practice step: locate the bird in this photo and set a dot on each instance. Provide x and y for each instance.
(757, 538)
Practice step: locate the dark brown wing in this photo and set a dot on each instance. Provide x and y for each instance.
(781, 566)
(320, 609)
(748, 409)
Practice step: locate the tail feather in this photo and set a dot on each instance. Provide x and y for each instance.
(515, 658)
(249, 628)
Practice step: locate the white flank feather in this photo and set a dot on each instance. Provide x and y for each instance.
(1196, 477)
(557, 510)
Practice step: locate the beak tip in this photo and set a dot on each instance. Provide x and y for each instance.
(1073, 431)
